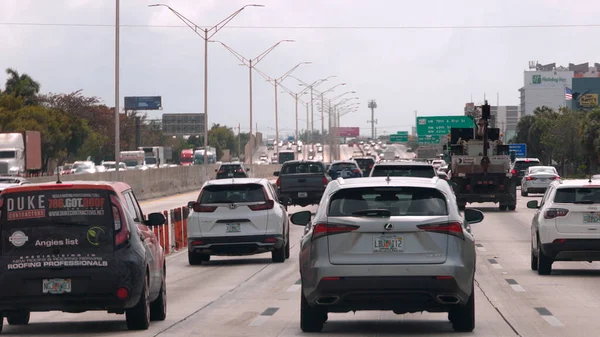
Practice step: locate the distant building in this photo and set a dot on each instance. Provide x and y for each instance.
(585, 93)
(503, 117)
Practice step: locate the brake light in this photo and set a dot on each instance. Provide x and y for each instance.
(269, 204)
(555, 178)
(529, 178)
(120, 222)
(122, 293)
(325, 181)
(356, 171)
(514, 172)
(527, 160)
(552, 213)
(325, 229)
(559, 241)
(450, 228)
(331, 278)
(278, 183)
(221, 171)
(196, 243)
(240, 171)
(204, 209)
(55, 186)
(270, 240)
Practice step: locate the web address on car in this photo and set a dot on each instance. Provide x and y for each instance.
(76, 212)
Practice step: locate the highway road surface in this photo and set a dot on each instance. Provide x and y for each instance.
(250, 296)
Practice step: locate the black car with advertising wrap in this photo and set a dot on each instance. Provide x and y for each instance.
(80, 246)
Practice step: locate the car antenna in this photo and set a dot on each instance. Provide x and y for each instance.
(388, 178)
(590, 179)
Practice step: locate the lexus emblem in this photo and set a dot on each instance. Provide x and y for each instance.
(388, 226)
(232, 206)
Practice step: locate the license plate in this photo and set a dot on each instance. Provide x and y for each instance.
(302, 194)
(56, 286)
(230, 174)
(233, 228)
(492, 196)
(388, 243)
(543, 179)
(591, 218)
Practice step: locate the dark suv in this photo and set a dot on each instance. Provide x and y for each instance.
(365, 164)
(344, 169)
(232, 170)
(80, 246)
(520, 166)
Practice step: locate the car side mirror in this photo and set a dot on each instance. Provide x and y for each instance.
(301, 218)
(473, 216)
(191, 204)
(156, 219)
(276, 173)
(533, 204)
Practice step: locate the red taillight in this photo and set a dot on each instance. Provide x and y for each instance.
(220, 171)
(270, 240)
(331, 278)
(278, 183)
(514, 172)
(196, 243)
(120, 222)
(468, 187)
(324, 229)
(529, 178)
(555, 178)
(269, 204)
(325, 181)
(444, 278)
(559, 241)
(552, 213)
(55, 186)
(451, 228)
(240, 171)
(122, 293)
(204, 209)
(356, 171)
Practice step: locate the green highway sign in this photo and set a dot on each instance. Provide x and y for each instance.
(399, 138)
(429, 139)
(441, 125)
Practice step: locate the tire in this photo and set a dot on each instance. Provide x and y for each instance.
(544, 263)
(138, 317)
(512, 207)
(20, 317)
(503, 207)
(287, 247)
(534, 260)
(311, 319)
(278, 255)
(463, 317)
(196, 259)
(1, 321)
(524, 193)
(158, 308)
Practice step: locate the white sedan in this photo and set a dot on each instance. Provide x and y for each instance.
(237, 217)
(537, 179)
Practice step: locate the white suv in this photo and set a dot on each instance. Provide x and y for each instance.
(566, 226)
(234, 217)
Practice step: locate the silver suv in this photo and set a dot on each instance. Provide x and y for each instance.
(384, 243)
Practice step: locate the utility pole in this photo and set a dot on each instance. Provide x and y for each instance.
(373, 121)
(239, 140)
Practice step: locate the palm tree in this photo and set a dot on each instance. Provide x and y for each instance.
(21, 85)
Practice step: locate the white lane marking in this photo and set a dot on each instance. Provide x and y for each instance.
(294, 288)
(481, 249)
(552, 320)
(517, 287)
(496, 266)
(258, 321)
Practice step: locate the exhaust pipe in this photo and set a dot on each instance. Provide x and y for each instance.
(325, 300)
(448, 299)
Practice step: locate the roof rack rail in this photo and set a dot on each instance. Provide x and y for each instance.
(341, 180)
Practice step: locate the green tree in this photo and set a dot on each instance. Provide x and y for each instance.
(222, 138)
(21, 85)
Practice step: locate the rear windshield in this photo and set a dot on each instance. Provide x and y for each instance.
(523, 165)
(584, 195)
(228, 194)
(419, 171)
(57, 221)
(150, 160)
(542, 170)
(400, 201)
(342, 166)
(364, 163)
(286, 156)
(229, 168)
(294, 168)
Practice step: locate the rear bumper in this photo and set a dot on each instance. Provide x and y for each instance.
(503, 197)
(573, 250)
(400, 294)
(312, 197)
(535, 187)
(235, 245)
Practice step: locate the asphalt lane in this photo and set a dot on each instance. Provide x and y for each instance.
(250, 296)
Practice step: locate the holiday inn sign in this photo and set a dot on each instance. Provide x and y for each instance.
(539, 79)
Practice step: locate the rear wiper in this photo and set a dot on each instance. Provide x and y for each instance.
(385, 213)
(585, 202)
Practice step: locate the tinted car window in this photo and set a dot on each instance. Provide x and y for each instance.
(341, 166)
(226, 194)
(229, 168)
(420, 171)
(400, 201)
(577, 195)
(523, 165)
(286, 156)
(71, 221)
(294, 168)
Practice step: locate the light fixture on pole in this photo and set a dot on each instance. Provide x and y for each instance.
(312, 109)
(206, 34)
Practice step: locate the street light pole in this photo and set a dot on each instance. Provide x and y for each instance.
(117, 91)
(296, 99)
(206, 34)
(276, 121)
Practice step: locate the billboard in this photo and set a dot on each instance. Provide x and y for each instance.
(183, 124)
(143, 103)
(346, 131)
(430, 128)
(588, 100)
(548, 79)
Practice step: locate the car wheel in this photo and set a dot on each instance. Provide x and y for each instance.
(463, 317)
(196, 259)
(503, 207)
(20, 317)
(287, 247)
(158, 308)
(544, 263)
(512, 207)
(534, 260)
(311, 319)
(278, 255)
(138, 317)
(524, 192)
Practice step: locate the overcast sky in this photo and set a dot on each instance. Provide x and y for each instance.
(432, 71)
